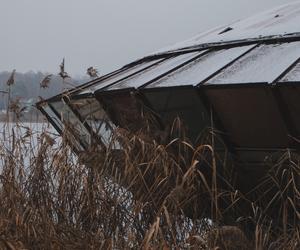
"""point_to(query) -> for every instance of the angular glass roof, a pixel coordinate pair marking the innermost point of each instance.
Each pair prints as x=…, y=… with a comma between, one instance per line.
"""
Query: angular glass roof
x=233, y=65
x=150, y=74
x=201, y=68
x=278, y=22
x=263, y=64
x=118, y=77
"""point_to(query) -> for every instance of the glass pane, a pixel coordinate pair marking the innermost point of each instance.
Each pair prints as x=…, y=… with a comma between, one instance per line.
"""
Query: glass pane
x=150, y=74
x=198, y=70
x=72, y=122
x=54, y=119
x=263, y=64
x=117, y=77
x=94, y=115
x=293, y=75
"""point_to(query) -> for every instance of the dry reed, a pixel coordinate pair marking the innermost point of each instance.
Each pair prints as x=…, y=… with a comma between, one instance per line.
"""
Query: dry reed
x=146, y=195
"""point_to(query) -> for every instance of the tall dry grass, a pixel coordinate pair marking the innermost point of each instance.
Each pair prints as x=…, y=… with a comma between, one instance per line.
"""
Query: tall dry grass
x=144, y=196
x=147, y=195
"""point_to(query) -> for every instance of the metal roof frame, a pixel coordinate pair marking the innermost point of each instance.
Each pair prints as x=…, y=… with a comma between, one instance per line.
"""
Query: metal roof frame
x=139, y=92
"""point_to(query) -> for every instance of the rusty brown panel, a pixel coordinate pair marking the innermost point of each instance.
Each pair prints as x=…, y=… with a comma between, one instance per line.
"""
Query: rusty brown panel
x=127, y=110
x=250, y=116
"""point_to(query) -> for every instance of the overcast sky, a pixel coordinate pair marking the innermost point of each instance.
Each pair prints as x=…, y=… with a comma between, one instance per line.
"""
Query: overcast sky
x=37, y=34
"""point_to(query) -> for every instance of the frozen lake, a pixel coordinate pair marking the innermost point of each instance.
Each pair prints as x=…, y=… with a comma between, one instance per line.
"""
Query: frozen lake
x=27, y=131
x=21, y=141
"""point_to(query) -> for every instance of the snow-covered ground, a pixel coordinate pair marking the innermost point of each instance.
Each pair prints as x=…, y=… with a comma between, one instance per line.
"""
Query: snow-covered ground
x=21, y=140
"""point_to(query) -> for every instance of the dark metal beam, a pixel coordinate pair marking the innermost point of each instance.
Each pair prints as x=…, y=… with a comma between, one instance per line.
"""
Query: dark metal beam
x=235, y=85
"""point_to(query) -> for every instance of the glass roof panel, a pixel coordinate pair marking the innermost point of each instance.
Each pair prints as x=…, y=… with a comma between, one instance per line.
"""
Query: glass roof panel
x=72, y=122
x=92, y=112
x=52, y=116
x=293, y=75
x=198, y=70
x=118, y=77
x=263, y=64
x=281, y=21
x=150, y=74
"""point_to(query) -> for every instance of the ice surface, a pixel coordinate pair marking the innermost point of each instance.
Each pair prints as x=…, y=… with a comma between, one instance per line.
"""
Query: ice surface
x=263, y=64
x=29, y=146
x=279, y=21
x=150, y=74
x=293, y=75
x=200, y=69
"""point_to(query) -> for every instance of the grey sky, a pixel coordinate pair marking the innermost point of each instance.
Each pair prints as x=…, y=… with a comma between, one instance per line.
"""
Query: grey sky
x=37, y=34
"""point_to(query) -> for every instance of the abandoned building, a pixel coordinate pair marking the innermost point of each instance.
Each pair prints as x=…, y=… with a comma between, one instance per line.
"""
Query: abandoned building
x=241, y=80
x=245, y=75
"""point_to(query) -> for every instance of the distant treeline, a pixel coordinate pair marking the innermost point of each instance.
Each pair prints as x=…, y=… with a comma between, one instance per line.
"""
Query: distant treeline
x=27, y=86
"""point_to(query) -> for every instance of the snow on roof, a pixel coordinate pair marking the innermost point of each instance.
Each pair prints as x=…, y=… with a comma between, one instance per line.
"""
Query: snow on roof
x=150, y=74
x=293, y=75
x=197, y=71
x=258, y=65
x=281, y=21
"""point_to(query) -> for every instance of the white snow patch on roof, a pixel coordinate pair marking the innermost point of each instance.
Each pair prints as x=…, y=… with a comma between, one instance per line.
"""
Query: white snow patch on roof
x=263, y=64
x=200, y=69
x=293, y=75
x=280, y=21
